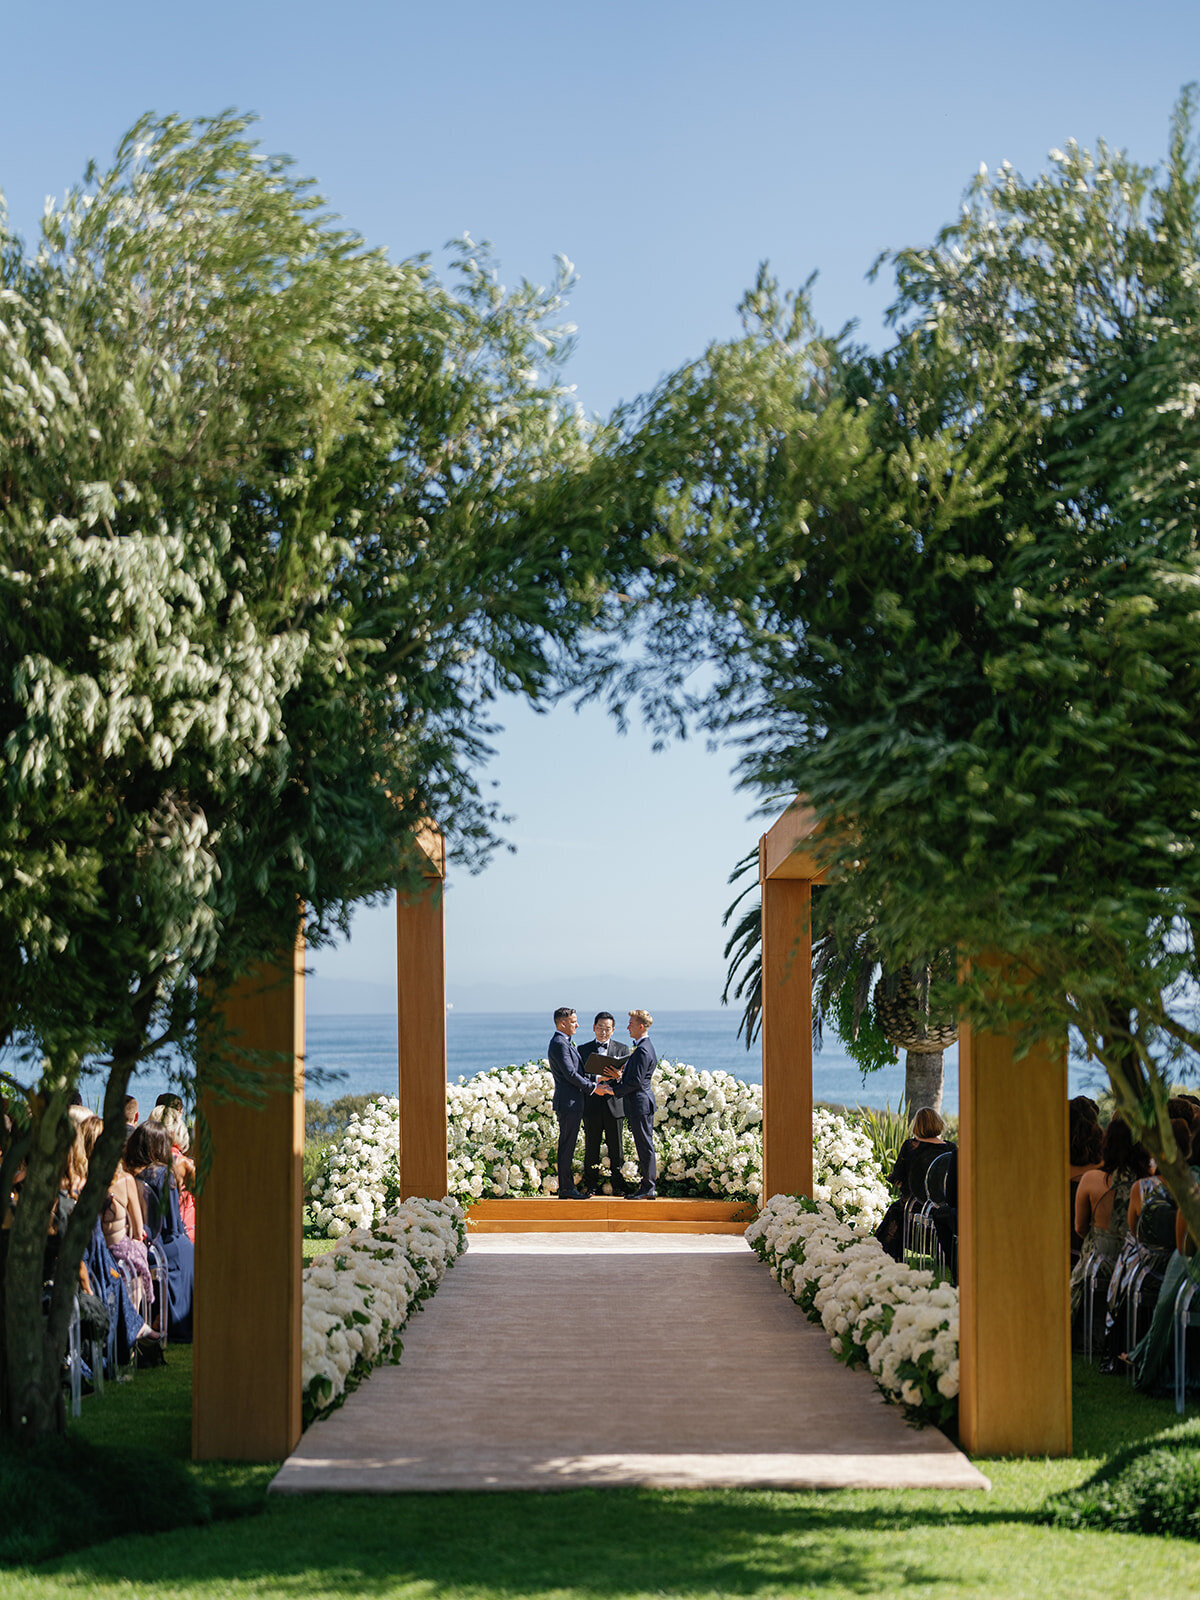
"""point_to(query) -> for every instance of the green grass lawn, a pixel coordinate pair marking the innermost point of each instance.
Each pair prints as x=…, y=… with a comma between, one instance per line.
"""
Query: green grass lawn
x=312, y=1245
x=617, y=1544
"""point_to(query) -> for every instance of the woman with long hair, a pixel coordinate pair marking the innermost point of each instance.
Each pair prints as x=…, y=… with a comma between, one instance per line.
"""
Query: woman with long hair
x=148, y=1157
x=1102, y=1218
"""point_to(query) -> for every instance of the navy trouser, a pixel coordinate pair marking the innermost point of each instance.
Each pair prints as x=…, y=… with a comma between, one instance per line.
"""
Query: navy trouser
x=568, y=1137
x=639, y=1119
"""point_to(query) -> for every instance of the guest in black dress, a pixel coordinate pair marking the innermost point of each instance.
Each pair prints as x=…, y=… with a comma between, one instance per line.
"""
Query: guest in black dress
x=917, y=1154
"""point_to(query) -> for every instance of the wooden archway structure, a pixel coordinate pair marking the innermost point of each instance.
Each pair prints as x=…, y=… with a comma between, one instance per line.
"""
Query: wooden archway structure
x=1014, y=1236
x=247, y=1326
x=1014, y=1338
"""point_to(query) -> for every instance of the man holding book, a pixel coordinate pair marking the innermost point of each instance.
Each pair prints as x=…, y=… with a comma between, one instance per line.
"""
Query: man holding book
x=602, y=1114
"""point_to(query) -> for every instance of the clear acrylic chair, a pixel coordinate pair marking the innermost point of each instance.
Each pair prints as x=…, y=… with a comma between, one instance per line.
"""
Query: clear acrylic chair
x=1186, y=1314
x=1098, y=1267
x=133, y=1288
x=1141, y=1290
x=75, y=1358
x=158, y=1314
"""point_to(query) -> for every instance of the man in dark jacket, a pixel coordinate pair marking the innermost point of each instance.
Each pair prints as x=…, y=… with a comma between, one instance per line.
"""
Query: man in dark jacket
x=572, y=1088
x=633, y=1087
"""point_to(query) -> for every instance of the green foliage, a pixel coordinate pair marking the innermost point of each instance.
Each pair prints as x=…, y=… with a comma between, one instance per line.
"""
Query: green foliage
x=1151, y=1488
x=272, y=540
x=947, y=593
x=325, y=1120
x=887, y=1130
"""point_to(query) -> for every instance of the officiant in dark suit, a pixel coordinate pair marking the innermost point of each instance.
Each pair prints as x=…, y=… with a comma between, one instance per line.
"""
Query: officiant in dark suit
x=599, y=1117
x=572, y=1090
x=633, y=1087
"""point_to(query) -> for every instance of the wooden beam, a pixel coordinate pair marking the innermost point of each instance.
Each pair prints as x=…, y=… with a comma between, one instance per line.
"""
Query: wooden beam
x=1014, y=1248
x=421, y=1030
x=791, y=848
x=786, y=1032
x=247, y=1330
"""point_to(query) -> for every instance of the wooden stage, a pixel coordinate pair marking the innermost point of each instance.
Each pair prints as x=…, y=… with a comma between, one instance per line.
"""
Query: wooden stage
x=607, y=1214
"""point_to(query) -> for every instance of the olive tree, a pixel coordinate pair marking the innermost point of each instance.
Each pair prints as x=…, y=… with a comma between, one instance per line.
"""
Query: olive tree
x=270, y=544
x=947, y=591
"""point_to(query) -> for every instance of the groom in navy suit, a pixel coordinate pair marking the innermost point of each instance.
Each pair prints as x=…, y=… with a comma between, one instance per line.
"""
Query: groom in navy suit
x=633, y=1086
x=572, y=1088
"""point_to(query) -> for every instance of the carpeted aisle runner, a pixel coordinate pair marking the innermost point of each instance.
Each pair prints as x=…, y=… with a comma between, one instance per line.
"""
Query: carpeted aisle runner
x=553, y=1361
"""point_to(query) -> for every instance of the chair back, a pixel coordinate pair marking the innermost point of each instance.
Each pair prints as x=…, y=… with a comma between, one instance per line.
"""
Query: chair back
x=937, y=1178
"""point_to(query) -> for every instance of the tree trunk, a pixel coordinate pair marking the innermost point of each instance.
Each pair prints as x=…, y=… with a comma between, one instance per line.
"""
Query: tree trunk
x=924, y=1075
x=33, y=1348
x=35, y=1342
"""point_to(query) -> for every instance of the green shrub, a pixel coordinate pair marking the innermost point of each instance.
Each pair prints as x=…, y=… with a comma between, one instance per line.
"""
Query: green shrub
x=1148, y=1489
x=887, y=1130
x=325, y=1121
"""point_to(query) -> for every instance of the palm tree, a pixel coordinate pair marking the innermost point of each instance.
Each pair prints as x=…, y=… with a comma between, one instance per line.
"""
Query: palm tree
x=874, y=1011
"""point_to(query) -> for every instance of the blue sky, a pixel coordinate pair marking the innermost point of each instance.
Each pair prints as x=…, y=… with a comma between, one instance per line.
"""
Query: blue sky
x=667, y=147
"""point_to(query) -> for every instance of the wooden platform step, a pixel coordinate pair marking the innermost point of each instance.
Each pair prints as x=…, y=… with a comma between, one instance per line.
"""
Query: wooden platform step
x=609, y=1215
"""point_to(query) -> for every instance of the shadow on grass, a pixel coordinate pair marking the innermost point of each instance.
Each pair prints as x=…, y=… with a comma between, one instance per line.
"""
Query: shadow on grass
x=606, y=1543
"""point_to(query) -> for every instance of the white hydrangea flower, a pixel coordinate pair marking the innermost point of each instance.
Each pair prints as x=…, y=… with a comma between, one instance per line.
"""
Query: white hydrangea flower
x=896, y=1318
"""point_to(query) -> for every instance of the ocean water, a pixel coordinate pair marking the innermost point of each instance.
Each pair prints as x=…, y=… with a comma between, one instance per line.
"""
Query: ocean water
x=357, y=1055
x=364, y=1049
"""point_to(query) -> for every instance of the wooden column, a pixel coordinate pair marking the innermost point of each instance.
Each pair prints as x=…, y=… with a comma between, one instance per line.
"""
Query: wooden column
x=1014, y=1248
x=246, y=1389
x=421, y=1028
x=786, y=1033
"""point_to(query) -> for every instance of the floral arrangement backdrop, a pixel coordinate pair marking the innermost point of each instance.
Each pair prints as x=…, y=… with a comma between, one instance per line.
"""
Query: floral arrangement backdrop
x=501, y=1136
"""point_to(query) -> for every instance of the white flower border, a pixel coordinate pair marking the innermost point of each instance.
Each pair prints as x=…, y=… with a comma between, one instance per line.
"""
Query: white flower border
x=359, y=1296
x=897, y=1319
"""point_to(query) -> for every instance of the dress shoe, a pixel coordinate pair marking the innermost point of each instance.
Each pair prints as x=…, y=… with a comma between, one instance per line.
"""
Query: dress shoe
x=574, y=1194
x=646, y=1192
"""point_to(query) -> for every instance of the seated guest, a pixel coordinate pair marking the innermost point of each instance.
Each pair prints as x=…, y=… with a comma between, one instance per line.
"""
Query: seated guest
x=184, y=1167
x=124, y=1231
x=1101, y=1217
x=132, y=1112
x=1184, y=1107
x=941, y=1184
x=1152, y=1208
x=907, y=1177
x=1083, y=1106
x=1150, y=1360
x=1138, y=1275
x=1084, y=1156
x=99, y=1273
x=148, y=1157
